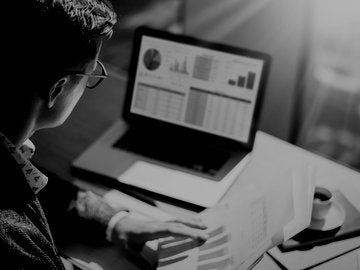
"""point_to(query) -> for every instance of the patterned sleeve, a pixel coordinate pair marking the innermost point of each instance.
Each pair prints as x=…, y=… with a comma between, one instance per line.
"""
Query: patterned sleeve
x=72, y=212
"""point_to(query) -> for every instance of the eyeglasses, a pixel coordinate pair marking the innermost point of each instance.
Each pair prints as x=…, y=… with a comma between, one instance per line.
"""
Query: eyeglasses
x=96, y=77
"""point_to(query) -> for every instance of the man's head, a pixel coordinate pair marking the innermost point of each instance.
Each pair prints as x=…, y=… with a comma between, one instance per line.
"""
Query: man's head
x=48, y=42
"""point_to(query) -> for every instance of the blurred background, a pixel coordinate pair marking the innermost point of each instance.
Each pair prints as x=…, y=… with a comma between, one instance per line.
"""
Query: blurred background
x=313, y=93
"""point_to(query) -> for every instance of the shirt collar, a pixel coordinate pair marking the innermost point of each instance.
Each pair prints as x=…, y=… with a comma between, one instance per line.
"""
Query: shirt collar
x=22, y=156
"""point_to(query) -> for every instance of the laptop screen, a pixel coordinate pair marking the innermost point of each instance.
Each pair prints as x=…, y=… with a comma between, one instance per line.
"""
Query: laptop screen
x=196, y=85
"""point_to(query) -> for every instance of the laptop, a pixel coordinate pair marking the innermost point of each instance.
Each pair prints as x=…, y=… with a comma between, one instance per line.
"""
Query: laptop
x=191, y=112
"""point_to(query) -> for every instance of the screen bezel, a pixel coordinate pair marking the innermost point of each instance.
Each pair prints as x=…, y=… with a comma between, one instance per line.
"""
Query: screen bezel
x=151, y=124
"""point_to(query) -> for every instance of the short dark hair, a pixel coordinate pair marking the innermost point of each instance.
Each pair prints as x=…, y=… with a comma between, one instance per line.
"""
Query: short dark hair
x=88, y=18
x=48, y=36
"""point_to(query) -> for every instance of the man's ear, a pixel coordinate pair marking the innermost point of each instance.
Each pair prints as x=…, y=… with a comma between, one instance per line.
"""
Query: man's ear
x=55, y=91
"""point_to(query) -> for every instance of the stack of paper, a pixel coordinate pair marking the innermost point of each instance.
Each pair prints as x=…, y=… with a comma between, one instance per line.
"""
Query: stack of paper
x=266, y=206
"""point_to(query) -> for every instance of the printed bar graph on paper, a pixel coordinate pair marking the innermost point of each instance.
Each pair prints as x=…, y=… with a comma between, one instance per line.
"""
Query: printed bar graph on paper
x=223, y=264
x=202, y=67
x=214, y=254
x=216, y=232
x=250, y=80
x=177, y=248
x=223, y=240
x=163, y=263
x=241, y=81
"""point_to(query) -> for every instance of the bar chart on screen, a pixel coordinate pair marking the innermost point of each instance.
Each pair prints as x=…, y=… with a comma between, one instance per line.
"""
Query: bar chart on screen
x=179, y=65
x=243, y=81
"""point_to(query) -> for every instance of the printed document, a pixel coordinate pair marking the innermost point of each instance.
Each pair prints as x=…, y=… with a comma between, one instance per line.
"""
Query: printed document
x=264, y=208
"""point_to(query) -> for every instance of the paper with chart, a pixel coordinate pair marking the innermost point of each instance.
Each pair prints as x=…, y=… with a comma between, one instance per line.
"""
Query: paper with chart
x=251, y=220
x=237, y=234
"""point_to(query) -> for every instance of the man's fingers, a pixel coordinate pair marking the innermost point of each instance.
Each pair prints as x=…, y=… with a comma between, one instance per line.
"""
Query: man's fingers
x=162, y=230
x=192, y=222
x=179, y=229
x=138, y=232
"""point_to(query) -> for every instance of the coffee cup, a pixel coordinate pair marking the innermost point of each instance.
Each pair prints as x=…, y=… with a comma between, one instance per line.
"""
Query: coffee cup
x=322, y=203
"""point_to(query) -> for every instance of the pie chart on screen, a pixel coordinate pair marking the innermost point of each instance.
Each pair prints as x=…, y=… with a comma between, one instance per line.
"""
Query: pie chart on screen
x=152, y=59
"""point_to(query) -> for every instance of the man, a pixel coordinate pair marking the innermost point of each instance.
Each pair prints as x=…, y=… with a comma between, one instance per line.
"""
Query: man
x=50, y=58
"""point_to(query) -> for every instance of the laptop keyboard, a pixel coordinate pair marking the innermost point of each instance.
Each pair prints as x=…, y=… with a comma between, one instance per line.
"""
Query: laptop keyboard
x=200, y=158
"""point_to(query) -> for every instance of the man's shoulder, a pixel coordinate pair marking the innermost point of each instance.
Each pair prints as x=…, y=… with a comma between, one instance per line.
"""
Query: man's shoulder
x=12, y=220
x=22, y=243
x=13, y=227
x=17, y=230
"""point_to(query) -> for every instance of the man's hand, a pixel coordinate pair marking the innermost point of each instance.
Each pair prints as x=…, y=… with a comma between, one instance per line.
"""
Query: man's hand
x=134, y=232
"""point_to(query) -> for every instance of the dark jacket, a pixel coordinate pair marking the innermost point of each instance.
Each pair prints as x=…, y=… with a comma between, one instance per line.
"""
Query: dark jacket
x=26, y=241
